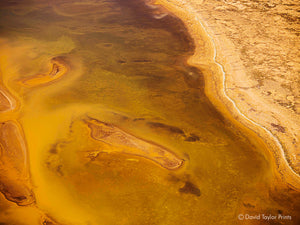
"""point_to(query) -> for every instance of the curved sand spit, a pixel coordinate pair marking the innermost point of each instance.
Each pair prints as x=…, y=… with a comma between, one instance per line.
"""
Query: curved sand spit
x=58, y=69
x=215, y=77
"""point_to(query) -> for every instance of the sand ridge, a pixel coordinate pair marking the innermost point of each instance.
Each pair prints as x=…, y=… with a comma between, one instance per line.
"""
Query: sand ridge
x=129, y=144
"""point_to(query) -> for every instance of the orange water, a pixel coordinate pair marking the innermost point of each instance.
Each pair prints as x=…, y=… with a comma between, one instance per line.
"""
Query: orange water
x=127, y=68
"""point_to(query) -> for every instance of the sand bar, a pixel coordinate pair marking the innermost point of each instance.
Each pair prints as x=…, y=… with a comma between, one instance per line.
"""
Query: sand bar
x=129, y=144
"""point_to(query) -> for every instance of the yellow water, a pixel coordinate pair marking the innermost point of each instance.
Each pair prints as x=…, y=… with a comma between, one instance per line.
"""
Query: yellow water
x=127, y=68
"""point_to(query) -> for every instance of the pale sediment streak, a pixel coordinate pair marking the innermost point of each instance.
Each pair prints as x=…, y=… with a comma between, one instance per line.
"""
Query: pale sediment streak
x=12, y=105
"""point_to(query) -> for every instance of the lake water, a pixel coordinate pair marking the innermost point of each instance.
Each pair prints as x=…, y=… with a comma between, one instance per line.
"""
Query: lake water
x=126, y=67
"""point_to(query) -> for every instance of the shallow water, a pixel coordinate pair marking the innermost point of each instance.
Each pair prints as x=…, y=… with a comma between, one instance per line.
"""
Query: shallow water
x=126, y=68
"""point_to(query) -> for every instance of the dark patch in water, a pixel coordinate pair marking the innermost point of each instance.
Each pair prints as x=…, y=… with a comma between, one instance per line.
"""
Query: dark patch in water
x=121, y=61
x=138, y=119
x=173, y=178
x=187, y=156
x=190, y=188
x=192, y=138
x=171, y=129
x=194, y=78
x=59, y=170
x=248, y=205
x=108, y=45
x=53, y=149
x=143, y=17
x=142, y=60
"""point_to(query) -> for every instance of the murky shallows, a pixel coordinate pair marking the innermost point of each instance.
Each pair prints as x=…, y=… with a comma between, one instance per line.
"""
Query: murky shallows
x=127, y=70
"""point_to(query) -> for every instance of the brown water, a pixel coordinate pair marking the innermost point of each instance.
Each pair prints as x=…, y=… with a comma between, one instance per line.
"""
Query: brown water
x=126, y=68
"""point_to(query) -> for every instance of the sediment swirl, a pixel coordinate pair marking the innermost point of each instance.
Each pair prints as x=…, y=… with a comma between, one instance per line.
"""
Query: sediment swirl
x=58, y=69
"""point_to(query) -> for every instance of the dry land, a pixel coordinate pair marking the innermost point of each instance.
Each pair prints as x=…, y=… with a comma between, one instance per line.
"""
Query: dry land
x=256, y=47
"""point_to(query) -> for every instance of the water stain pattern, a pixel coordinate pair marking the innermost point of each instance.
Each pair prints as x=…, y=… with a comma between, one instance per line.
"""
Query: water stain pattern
x=155, y=151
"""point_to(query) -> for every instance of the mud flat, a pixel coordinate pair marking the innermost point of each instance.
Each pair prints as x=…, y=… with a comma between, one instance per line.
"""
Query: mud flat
x=14, y=178
x=238, y=96
x=15, y=181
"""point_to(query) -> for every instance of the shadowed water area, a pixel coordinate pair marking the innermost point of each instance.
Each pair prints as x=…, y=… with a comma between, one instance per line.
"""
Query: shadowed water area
x=118, y=128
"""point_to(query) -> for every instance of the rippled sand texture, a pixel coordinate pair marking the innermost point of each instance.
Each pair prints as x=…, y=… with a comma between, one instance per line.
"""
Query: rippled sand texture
x=113, y=127
x=128, y=144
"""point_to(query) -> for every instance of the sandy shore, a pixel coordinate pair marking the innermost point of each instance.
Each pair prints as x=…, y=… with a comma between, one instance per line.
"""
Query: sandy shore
x=235, y=90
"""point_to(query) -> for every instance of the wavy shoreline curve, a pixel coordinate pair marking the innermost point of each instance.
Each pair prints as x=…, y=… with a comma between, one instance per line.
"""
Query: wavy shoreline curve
x=191, y=19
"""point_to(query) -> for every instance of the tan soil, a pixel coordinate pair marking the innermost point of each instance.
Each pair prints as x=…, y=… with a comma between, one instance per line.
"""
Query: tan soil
x=249, y=52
